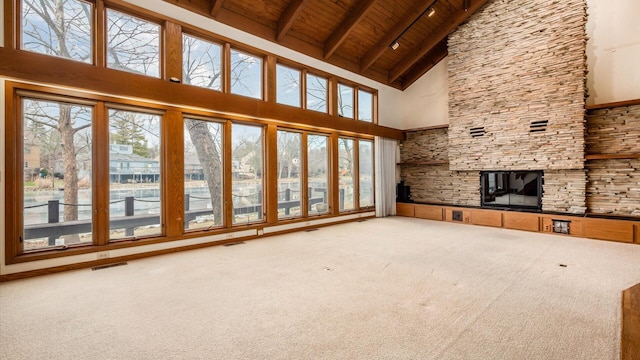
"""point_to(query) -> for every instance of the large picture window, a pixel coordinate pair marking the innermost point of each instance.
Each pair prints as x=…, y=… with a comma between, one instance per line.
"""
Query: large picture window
x=135, y=200
x=247, y=188
x=57, y=177
x=365, y=173
x=203, y=176
x=318, y=173
x=289, y=174
x=346, y=169
x=60, y=28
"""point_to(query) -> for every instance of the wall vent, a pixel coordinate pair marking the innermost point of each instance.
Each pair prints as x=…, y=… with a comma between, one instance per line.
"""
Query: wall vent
x=456, y=215
x=477, y=131
x=538, y=126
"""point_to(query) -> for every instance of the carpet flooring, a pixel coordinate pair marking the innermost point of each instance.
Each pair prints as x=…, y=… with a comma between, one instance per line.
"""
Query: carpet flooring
x=391, y=288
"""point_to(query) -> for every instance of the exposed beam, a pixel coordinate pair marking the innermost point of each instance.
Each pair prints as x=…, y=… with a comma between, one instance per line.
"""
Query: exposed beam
x=288, y=17
x=436, y=55
x=216, y=5
x=431, y=40
x=340, y=34
x=418, y=8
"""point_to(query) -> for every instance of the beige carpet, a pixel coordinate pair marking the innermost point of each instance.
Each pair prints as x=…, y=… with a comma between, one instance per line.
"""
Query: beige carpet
x=393, y=288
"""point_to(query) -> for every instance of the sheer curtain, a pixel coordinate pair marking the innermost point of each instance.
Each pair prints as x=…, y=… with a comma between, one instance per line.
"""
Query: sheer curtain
x=385, y=162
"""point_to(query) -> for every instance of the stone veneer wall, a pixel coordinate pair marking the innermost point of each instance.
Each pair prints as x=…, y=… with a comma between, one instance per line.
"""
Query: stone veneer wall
x=435, y=183
x=614, y=184
x=512, y=63
x=564, y=191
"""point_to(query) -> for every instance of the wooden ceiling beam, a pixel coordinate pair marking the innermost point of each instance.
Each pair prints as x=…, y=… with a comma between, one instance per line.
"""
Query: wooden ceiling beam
x=288, y=17
x=216, y=5
x=432, y=40
x=436, y=55
x=418, y=8
x=340, y=34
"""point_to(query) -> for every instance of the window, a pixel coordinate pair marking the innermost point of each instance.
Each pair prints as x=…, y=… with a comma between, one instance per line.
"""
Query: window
x=41, y=24
x=203, y=176
x=246, y=74
x=318, y=173
x=134, y=189
x=201, y=63
x=133, y=44
x=345, y=101
x=365, y=106
x=316, y=93
x=365, y=173
x=247, y=188
x=57, y=201
x=288, y=86
x=345, y=174
x=289, y=174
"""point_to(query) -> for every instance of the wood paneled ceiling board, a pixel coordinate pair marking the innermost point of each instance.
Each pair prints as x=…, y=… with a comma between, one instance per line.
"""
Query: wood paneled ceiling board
x=353, y=34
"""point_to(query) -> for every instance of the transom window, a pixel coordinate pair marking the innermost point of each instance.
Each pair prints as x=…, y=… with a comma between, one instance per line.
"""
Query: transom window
x=345, y=101
x=201, y=63
x=288, y=85
x=316, y=93
x=133, y=44
x=246, y=74
x=62, y=29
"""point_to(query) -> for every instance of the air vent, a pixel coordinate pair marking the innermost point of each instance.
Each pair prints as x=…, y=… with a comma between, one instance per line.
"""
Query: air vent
x=538, y=126
x=456, y=215
x=100, y=267
x=477, y=131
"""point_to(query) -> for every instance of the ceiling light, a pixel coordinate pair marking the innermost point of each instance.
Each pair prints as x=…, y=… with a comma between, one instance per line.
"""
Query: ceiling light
x=395, y=45
x=432, y=12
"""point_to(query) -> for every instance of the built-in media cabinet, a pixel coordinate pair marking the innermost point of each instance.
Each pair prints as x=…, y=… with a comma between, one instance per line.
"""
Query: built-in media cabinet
x=623, y=230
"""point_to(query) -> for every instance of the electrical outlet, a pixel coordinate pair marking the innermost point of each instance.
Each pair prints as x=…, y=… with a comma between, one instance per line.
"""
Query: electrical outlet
x=260, y=232
x=103, y=255
x=229, y=236
x=307, y=223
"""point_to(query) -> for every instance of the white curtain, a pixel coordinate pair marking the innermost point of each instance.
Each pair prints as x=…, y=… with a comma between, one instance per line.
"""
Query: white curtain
x=385, y=152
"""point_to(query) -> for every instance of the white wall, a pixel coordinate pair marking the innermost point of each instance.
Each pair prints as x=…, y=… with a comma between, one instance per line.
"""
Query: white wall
x=427, y=100
x=613, y=51
x=613, y=61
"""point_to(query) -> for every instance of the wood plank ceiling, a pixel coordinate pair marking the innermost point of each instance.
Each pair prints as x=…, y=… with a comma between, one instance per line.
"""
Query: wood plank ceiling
x=353, y=34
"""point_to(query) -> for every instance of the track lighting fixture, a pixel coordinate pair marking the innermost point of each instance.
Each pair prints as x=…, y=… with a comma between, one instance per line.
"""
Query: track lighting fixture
x=430, y=11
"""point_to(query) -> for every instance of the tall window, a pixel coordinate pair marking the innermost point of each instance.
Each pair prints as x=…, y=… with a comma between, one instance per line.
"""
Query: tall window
x=247, y=187
x=246, y=74
x=345, y=174
x=134, y=174
x=201, y=63
x=316, y=93
x=56, y=187
x=345, y=101
x=60, y=28
x=365, y=173
x=288, y=85
x=365, y=106
x=203, y=185
x=133, y=44
x=318, y=173
x=289, y=174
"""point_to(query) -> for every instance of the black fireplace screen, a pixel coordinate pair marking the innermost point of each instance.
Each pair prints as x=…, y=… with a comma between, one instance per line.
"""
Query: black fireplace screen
x=511, y=189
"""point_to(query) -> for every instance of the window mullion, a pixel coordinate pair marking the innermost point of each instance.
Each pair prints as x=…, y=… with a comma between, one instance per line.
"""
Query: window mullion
x=101, y=175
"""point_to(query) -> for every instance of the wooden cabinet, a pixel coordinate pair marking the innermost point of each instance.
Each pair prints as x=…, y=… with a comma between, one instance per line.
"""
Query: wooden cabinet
x=405, y=209
x=430, y=212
